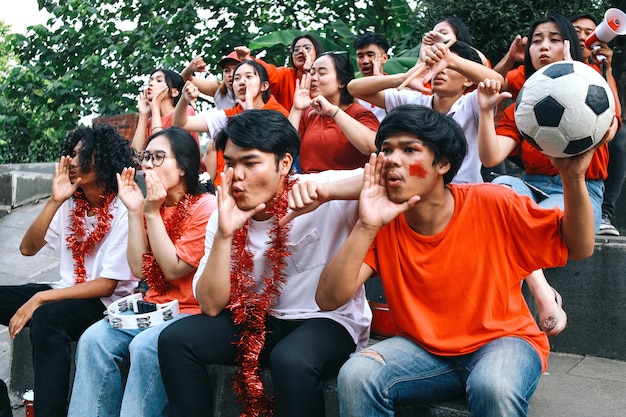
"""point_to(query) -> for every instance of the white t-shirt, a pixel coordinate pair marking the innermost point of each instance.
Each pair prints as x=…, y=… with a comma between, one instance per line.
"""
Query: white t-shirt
x=109, y=258
x=215, y=121
x=314, y=238
x=464, y=111
x=224, y=101
x=379, y=112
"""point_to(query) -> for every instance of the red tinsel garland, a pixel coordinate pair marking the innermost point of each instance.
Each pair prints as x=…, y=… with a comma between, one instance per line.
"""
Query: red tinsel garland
x=149, y=266
x=76, y=241
x=250, y=305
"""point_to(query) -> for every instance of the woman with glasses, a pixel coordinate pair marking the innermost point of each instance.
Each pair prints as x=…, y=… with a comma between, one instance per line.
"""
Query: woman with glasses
x=303, y=51
x=166, y=232
x=252, y=90
x=336, y=132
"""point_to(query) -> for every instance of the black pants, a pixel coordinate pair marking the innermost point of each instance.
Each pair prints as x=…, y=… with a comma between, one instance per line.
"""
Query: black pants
x=52, y=328
x=300, y=355
x=616, y=172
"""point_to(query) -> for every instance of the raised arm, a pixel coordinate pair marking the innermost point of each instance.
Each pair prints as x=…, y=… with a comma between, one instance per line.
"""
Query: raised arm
x=345, y=272
x=162, y=246
x=514, y=55
x=62, y=189
x=181, y=118
x=371, y=89
x=308, y=194
x=438, y=57
x=301, y=100
x=143, y=107
x=132, y=197
x=205, y=85
x=213, y=285
x=492, y=148
x=359, y=135
x=577, y=227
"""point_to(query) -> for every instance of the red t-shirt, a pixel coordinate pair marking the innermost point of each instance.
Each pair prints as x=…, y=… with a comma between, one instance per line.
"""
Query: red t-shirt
x=458, y=290
x=324, y=146
x=189, y=248
x=537, y=163
x=516, y=78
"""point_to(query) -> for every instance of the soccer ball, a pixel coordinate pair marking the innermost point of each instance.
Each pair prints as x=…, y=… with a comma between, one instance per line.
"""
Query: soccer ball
x=564, y=109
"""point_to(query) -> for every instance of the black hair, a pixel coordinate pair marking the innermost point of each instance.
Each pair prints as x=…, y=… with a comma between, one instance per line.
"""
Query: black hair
x=345, y=73
x=439, y=132
x=579, y=16
x=265, y=130
x=261, y=72
x=187, y=154
x=109, y=151
x=368, y=38
x=173, y=80
x=461, y=31
x=319, y=49
x=466, y=51
x=568, y=32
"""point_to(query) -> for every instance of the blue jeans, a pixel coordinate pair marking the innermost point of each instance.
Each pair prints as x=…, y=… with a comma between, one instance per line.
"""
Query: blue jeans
x=497, y=380
x=553, y=187
x=98, y=388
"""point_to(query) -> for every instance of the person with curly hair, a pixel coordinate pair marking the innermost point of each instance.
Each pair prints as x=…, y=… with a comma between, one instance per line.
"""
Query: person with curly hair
x=87, y=223
x=165, y=245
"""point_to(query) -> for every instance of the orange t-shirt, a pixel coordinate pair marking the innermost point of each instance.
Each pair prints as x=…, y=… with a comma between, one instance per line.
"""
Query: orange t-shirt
x=282, y=82
x=272, y=104
x=537, y=163
x=189, y=248
x=458, y=290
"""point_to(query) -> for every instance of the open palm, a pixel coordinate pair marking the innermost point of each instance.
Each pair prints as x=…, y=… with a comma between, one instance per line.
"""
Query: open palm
x=375, y=207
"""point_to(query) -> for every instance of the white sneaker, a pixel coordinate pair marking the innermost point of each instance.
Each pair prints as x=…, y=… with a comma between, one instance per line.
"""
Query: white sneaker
x=607, y=228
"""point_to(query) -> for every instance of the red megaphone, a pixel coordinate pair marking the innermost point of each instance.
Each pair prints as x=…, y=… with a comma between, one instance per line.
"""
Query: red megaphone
x=614, y=24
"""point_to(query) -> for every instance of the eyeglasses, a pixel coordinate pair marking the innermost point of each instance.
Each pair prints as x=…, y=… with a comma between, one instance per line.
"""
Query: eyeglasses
x=297, y=49
x=156, y=157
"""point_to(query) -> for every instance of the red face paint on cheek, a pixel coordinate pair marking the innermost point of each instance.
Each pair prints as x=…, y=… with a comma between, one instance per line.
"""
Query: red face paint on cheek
x=417, y=170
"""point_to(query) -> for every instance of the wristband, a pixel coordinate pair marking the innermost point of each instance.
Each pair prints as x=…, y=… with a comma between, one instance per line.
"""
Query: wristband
x=336, y=111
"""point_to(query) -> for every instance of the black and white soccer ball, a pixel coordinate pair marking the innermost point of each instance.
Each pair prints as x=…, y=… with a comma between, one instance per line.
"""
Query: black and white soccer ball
x=564, y=109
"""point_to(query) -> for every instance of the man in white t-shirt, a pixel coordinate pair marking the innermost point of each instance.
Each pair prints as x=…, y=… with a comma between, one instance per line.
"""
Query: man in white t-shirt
x=86, y=222
x=371, y=55
x=257, y=280
x=458, y=70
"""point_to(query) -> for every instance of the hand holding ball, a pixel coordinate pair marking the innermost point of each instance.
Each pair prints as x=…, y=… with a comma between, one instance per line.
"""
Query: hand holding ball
x=564, y=109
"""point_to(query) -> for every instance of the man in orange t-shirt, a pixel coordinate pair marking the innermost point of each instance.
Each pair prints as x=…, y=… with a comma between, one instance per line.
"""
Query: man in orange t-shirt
x=451, y=259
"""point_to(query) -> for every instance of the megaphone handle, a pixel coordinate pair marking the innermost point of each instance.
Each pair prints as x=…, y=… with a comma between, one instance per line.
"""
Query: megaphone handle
x=595, y=47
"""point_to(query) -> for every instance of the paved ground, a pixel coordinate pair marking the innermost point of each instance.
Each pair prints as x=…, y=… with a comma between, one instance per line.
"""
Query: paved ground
x=575, y=386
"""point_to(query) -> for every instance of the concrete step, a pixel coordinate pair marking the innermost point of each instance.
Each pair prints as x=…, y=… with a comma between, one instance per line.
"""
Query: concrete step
x=24, y=183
